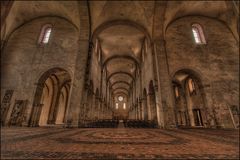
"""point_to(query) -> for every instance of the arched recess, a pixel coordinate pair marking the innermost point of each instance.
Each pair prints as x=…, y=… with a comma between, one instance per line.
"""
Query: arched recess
x=181, y=111
x=47, y=97
x=145, y=105
x=190, y=101
x=152, y=101
x=62, y=104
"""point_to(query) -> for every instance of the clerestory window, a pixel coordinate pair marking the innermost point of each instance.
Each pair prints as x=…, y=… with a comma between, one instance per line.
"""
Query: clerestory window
x=45, y=34
x=198, y=34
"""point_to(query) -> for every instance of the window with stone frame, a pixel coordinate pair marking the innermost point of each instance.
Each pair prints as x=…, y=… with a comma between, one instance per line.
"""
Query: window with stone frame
x=198, y=34
x=45, y=34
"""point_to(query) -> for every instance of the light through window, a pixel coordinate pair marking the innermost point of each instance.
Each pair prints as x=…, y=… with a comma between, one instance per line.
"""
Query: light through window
x=124, y=105
x=120, y=98
x=191, y=85
x=47, y=35
x=198, y=34
x=116, y=105
x=176, y=92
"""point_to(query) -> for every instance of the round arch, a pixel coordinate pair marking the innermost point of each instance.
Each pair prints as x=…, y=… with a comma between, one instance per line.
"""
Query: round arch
x=120, y=72
x=121, y=56
x=117, y=82
x=120, y=22
x=120, y=89
x=120, y=92
x=35, y=115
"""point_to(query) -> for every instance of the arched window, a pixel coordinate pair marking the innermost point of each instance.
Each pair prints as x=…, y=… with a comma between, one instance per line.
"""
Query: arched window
x=116, y=105
x=45, y=34
x=198, y=34
x=191, y=85
x=124, y=105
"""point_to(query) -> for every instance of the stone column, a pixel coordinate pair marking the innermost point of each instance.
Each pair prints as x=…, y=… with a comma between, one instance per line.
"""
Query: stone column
x=140, y=109
x=164, y=85
x=149, y=109
x=76, y=101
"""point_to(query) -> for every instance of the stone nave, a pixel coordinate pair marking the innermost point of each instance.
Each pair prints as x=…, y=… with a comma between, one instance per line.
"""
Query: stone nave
x=120, y=79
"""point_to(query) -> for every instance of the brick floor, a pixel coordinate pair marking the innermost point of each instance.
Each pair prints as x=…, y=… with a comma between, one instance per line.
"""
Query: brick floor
x=105, y=143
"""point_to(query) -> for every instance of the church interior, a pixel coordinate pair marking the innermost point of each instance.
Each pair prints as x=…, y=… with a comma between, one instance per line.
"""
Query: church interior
x=120, y=79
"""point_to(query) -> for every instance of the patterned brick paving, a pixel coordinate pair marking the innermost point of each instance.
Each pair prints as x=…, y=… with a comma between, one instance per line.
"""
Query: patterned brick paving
x=119, y=143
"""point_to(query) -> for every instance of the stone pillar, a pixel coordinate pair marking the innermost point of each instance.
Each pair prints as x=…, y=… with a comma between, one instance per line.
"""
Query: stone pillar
x=190, y=109
x=76, y=101
x=144, y=111
x=159, y=110
x=96, y=108
x=164, y=85
x=92, y=110
x=149, y=109
x=76, y=98
x=140, y=109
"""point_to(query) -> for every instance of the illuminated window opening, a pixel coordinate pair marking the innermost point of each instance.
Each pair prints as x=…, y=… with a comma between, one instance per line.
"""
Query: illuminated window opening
x=45, y=34
x=176, y=92
x=191, y=85
x=124, y=105
x=198, y=34
x=120, y=98
x=116, y=105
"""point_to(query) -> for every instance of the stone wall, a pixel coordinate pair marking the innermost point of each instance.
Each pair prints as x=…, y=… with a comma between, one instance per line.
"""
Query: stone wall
x=24, y=61
x=217, y=62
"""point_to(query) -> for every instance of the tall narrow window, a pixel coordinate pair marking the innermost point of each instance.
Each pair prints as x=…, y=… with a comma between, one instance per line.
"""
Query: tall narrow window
x=198, y=34
x=116, y=105
x=45, y=34
x=191, y=85
x=176, y=92
x=124, y=105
